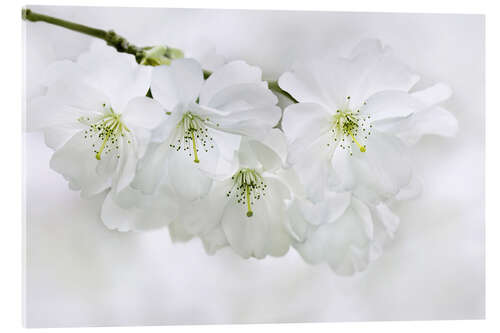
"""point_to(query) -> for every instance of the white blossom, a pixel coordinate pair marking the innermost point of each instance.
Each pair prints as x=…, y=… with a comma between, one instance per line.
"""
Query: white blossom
x=97, y=119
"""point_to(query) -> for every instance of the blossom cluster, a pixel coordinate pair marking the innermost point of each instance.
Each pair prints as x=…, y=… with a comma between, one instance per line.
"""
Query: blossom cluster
x=214, y=157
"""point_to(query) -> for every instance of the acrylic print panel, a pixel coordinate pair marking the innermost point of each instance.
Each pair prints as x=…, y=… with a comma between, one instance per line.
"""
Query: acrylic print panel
x=252, y=166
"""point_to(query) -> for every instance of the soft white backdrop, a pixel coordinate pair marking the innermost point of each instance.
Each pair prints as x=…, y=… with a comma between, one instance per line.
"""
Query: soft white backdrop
x=79, y=273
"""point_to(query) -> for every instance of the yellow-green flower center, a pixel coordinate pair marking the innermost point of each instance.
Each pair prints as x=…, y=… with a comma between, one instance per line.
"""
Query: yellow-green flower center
x=193, y=135
x=105, y=131
x=248, y=185
x=350, y=127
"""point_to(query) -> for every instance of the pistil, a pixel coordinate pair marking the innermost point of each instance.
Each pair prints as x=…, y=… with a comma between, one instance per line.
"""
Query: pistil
x=195, y=151
x=249, y=207
x=350, y=126
x=107, y=127
x=248, y=186
x=193, y=135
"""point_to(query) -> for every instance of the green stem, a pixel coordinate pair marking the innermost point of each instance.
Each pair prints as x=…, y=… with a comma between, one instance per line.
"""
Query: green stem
x=110, y=37
x=119, y=42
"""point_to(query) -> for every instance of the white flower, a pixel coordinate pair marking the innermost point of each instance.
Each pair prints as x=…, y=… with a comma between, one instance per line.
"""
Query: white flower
x=246, y=211
x=205, y=52
x=132, y=210
x=205, y=125
x=96, y=118
x=341, y=230
x=345, y=133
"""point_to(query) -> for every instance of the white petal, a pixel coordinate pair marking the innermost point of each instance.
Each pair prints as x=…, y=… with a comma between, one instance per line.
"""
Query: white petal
x=233, y=73
x=77, y=94
x=164, y=130
x=57, y=136
x=390, y=104
x=305, y=122
x=343, y=244
x=126, y=165
x=109, y=161
x=214, y=240
x=152, y=169
x=254, y=122
x=276, y=140
x=265, y=156
x=248, y=236
x=308, y=83
x=178, y=83
x=116, y=74
x=64, y=70
x=243, y=96
x=205, y=52
x=364, y=215
x=384, y=167
x=76, y=162
x=328, y=210
x=149, y=212
x=228, y=143
x=143, y=112
x=410, y=191
x=388, y=218
x=297, y=223
x=48, y=112
x=379, y=71
x=188, y=181
x=433, y=121
x=433, y=95
x=313, y=166
x=342, y=174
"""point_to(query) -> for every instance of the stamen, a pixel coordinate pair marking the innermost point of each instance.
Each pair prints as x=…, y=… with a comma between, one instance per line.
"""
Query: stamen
x=361, y=148
x=193, y=135
x=349, y=126
x=107, y=128
x=248, y=185
x=98, y=155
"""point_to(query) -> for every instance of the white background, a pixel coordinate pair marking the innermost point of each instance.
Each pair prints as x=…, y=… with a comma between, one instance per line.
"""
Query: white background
x=380, y=289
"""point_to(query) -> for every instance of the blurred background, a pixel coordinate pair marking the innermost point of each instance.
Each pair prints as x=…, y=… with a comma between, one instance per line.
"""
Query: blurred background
x=81, y=274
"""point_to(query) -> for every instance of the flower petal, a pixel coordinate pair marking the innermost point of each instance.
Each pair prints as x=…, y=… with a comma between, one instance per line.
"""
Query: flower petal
x=433, y=121
x=152, y=168
x=410, y=191
x=343, y=244
x=147, y=213
x=313, y=166
x=305, y=122
x=126, y=165
x=143, y=112
x=388, y=218
x=241, y=97
x=433, y=95
x=186, y=178
x=248, y=236
x=77, y=163
x=307, y=83
x=328, y=210
x=47, y=111
x=390, y=104
x=179, y=83
x=384, y=167
x=214, y=240
x=233, y=73
x=116, y=74
x=364, y=215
